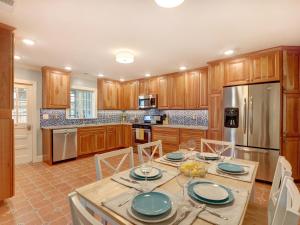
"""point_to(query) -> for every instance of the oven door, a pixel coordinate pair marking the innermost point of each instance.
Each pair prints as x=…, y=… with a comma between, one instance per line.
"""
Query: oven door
x=137, y=139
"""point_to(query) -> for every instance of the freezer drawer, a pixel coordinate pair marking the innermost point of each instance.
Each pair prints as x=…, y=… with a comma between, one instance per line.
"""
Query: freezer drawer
x=266, y=158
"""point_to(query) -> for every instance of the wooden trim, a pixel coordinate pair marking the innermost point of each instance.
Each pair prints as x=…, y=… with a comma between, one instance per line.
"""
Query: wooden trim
x=46, y=68
x=7, y=27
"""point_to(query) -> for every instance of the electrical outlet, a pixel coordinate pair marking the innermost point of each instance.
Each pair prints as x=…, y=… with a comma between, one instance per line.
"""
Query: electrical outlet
x=45, y=116
x=194, y=117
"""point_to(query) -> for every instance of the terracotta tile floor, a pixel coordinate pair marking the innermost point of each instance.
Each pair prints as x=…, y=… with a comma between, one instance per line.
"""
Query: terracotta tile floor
x=41, y=193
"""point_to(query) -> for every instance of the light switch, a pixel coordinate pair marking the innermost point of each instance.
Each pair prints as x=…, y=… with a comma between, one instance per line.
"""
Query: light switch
x=45, y=116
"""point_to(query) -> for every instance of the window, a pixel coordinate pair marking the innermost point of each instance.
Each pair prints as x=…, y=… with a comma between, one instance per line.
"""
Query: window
x=82, y=104
x=20, y=113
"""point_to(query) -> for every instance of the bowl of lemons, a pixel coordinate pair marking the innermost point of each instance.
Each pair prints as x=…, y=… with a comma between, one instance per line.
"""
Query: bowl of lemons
x=194, y=169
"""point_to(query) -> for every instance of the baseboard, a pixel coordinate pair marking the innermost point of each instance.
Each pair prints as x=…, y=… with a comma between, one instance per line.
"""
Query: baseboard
x=39, y=158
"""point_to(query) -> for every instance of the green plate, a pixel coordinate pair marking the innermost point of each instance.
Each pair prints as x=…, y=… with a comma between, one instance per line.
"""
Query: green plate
x=175, y=156
x=136, y=177
x=195, y=197
x=230, y=167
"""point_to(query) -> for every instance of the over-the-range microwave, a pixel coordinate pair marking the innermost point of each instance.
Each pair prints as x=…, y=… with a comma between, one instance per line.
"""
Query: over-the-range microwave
x=147, y=101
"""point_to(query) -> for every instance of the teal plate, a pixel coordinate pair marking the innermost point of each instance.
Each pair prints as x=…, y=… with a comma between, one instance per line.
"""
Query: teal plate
x=175, y=156
x=193, y=195
x=230, y=167
x=158, y=171
x=136, y=177
x=151, y=204
x=198, y=155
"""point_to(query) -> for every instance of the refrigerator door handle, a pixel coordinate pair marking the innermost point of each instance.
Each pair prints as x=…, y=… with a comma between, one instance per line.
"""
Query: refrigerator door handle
x=251, y=118
x=245, y=113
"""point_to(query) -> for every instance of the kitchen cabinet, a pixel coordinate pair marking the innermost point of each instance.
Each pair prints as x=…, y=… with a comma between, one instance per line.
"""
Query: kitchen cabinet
x=91, y=140
x=265, y=66
x=148, y=86
x=163, y=92
x=236, y=71
x=215, y=78
x=196, y=89
x=119, y=136
x=291, y=151
x=177, y=91
x=108, y=94
x=215, y=116
x=127, y=133
x=130, y=95
x=153, y=86
x=110, y=137
x=56, y=88
x=6, y=106
x=143, y=87
x=168, y=136
x=192, y=134
x=291, y=71
x=291, y=115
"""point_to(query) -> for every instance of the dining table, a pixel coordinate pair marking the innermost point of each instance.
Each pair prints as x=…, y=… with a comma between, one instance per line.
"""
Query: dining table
x=94, y=194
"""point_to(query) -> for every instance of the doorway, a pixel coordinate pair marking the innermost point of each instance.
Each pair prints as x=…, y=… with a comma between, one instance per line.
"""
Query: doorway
x=23, y=122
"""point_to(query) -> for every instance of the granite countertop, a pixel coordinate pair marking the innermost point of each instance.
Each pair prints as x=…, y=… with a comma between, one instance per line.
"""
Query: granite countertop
x=83, y=125
x=184, y=126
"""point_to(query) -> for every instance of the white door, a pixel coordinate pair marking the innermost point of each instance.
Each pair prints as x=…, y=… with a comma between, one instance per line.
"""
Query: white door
x=22, y=115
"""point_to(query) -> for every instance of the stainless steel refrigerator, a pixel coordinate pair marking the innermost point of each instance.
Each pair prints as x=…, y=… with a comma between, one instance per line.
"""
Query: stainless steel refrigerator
x=252, y=122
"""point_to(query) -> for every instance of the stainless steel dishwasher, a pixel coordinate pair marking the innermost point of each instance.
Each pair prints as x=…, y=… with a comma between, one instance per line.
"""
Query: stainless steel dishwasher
x=64, y=144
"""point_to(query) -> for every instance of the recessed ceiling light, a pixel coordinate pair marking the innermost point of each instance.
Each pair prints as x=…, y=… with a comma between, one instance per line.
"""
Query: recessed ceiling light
x=229, y=52
x=121, y=79
x=100, y=75
x=69, y=68
x=169, y=3
x=182, y=68
x=28, y=42
x=124, y=57
x=147, y=75
x=17, y=57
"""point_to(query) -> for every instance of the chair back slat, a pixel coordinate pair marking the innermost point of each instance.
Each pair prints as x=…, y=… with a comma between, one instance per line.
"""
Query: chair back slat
x=126, y=152
x=224, y=144
x=283, y=169
x=80, y=216
x=288, y=204
x=142, y=150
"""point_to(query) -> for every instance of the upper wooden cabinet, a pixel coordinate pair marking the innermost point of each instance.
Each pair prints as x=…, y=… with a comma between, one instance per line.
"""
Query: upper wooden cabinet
x=148, y=86
x=291, y=71
x=163, y=92
x=109, y=93
x=177, y=91
x=215, y=77
x=236, y=72
x=265, y=66
x=56, y=88
x=130, y=94
x=196, y=89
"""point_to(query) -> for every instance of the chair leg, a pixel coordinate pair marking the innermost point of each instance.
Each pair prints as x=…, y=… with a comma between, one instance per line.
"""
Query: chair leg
x=104, y=222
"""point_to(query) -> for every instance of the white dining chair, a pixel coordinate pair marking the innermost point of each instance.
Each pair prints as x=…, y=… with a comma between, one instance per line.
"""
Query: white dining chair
x=283, y=169
x=149, y=150
x=287, y=211
x=102, y=158
x=80, y=215
x=211, y=145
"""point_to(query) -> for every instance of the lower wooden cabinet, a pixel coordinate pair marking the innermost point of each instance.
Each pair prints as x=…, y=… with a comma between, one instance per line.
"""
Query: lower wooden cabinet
x=291, y=151
x=192, y=134
x=127, y=135
x=110, y=137
x=119, y=136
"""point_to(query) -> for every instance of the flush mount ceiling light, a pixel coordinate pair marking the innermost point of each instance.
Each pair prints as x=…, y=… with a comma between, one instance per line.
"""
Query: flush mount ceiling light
x=182, y=68
x=169, y=3
x=147, y=75
x=16, y=57
x=69, y=68
x=121, y=79
x=100, y=75
x=124, y=57
x=229, y=52
x=28, y=42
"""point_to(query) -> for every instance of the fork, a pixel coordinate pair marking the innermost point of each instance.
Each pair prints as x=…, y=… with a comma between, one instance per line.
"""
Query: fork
x=130, y=181
x=203, y=206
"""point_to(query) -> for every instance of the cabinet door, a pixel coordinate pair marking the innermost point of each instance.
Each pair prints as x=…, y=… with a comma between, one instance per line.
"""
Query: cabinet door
x=215, y=78
x=119, y=136
x=153, y=86
x=100, y=138
x=144, y=87
x=126, y=96
x=110, y=137
x=215, y=116
x=166, y=135
x=265, y=66
x=192, y=134
x=192, y=90
x=291, y=151
x=236, y=72
x=203, y=99
x=86, y=142
x=177, y=85
x=291, y=71
x=291, y=115
x=133, y=94
x=119, y=95
x=127, y=132
x=56, y=88
x=163, y=92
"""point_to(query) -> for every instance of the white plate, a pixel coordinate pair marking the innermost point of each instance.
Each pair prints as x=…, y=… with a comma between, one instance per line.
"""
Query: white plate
x=156, y=219
x=209, y=155
x=210, y=191
x=154, y=172
x=246, y=171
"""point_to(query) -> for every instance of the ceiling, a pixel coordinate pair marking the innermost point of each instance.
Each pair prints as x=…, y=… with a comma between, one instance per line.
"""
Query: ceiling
x=86, y=34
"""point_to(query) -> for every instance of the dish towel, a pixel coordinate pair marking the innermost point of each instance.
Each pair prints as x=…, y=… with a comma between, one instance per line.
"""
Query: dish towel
x=166, y=176
x=139, y=134
x=113, y=204
x=212, y=169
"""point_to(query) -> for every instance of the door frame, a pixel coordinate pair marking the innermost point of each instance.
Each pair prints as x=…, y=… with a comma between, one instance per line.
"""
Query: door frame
x=35, y=157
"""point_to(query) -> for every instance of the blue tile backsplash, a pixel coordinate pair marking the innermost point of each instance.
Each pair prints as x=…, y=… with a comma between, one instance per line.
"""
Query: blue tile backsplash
x=57, y=117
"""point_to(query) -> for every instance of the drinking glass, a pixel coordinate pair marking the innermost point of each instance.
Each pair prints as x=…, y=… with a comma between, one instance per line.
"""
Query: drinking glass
x=191, y=145
x=146, y=169
x=182, y=181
